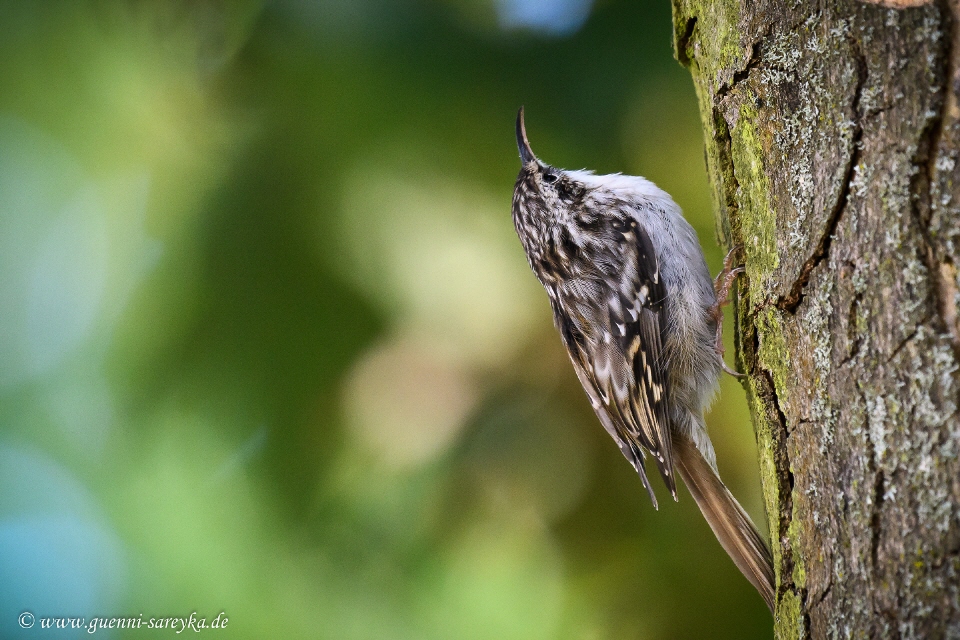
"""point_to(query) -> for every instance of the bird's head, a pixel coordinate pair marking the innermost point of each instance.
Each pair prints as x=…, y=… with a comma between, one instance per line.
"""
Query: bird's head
x=543, y=195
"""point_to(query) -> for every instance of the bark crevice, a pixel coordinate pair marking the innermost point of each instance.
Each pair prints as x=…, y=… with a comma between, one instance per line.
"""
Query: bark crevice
x=941, y=267
x=754, y=60
x=683, y=41
x=879, y=487
x=790, y=302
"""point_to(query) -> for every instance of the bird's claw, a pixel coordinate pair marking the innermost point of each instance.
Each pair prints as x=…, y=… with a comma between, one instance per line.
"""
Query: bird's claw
x=722, y=286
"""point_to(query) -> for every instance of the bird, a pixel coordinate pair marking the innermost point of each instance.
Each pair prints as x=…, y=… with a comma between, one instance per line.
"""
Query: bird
x=640, y=317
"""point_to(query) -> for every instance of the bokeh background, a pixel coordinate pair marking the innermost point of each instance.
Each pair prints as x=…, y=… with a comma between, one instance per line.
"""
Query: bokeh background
x=269, y=345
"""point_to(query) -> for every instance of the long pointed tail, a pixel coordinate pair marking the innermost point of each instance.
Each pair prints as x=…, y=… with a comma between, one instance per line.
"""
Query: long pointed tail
x=730, y=523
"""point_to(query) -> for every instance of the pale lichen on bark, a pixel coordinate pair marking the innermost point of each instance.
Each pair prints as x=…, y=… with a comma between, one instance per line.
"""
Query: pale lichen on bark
x=833, y=138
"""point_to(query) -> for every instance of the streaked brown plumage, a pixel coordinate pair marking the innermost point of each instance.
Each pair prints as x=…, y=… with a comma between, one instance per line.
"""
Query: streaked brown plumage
x=636, y=308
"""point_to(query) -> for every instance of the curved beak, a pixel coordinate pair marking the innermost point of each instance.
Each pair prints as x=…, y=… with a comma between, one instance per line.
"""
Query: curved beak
x=526, y=153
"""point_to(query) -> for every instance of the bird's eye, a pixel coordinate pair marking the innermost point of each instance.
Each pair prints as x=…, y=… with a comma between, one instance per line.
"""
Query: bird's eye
x=550, y=177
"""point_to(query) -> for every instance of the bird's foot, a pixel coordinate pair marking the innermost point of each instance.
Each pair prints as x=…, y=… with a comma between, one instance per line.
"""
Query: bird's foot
x=722, y=285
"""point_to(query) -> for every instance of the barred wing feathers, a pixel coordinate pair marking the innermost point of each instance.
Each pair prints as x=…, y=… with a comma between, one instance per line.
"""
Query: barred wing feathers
x=618, y=352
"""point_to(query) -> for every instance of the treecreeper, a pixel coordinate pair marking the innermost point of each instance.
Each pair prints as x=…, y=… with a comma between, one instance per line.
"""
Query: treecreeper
x=640, y=317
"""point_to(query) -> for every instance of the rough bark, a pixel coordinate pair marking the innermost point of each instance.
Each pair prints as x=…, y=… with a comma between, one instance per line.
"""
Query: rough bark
x=832, y=139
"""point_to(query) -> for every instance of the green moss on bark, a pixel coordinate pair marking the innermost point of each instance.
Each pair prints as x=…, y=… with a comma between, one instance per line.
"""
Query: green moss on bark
x=757, y=219
x=788, y=624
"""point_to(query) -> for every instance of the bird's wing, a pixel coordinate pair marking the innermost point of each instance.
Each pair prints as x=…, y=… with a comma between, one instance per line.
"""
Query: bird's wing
x=620, y=360
x=633, y=453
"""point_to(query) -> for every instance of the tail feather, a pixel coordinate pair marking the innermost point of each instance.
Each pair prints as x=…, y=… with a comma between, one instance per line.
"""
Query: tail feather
x=730, y=523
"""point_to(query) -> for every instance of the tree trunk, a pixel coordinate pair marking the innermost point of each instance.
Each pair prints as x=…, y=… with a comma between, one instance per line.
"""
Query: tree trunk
x=832, y=139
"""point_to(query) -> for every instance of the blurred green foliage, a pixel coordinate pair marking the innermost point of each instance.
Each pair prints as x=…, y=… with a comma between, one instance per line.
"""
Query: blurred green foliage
x=269, y=346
